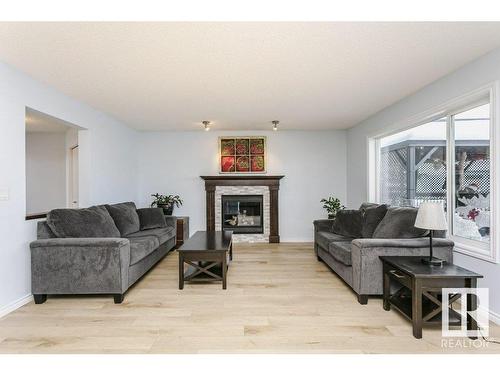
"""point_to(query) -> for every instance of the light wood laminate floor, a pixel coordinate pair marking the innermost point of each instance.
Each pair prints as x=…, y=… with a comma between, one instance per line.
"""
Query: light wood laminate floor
x=280, y=299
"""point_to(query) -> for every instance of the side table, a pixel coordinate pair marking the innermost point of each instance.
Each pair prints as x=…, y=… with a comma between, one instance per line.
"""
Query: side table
x=419, y=290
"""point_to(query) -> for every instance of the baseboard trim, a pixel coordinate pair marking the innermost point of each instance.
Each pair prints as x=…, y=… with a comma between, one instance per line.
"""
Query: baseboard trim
x=495, y=317
x=15, y=305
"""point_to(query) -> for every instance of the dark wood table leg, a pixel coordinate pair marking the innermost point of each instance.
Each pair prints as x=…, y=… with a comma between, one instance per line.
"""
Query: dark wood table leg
x=387, y=289
x=181, y=271
x=416, y=314
x=471, y=306
x=224, y=270
x=231, y=252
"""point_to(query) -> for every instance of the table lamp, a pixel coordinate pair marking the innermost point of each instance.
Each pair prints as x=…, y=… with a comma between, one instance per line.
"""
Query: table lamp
x=431, y=216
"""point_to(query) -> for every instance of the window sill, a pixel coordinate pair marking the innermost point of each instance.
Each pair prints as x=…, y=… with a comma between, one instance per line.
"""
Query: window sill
x=476, y=252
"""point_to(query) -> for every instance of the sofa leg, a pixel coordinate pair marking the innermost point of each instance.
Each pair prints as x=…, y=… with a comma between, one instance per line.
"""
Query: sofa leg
x=118, y=298
x=39, y=298
x=318, y=258
x=363, y=299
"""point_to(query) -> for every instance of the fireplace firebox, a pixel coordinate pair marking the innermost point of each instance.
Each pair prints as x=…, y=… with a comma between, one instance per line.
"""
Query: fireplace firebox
x=243, y=213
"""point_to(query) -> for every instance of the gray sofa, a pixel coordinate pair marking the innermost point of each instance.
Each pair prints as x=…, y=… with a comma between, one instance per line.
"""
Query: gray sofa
x=98, y=250
x=355, y=258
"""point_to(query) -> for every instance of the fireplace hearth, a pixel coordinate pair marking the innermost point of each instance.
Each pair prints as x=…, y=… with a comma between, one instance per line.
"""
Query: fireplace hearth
x=242, y=213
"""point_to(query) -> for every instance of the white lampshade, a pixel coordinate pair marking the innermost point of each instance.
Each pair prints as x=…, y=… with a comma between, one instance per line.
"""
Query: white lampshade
x=431, y=216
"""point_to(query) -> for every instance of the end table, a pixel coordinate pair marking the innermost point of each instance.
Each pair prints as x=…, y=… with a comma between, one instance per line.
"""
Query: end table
x=419, y=288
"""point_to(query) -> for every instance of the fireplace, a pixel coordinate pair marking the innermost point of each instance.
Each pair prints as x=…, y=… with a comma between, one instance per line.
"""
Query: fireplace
x=264, y=187
x=242, y=213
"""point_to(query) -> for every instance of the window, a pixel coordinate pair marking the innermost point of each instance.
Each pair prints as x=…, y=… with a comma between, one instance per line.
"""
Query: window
x=413, y=165
x=471, y=188
x=447, y=158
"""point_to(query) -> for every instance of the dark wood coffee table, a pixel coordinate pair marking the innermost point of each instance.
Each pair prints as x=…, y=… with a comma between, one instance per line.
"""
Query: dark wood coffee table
x=419, y=287
x=206, y=254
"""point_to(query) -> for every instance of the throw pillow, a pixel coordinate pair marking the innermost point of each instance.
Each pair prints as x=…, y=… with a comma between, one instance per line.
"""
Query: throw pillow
x=365, y=205
x=94, y=221
x=125, y=217
x=372, y=216
x=348, y=223
x=151, y=218
x=399, y=222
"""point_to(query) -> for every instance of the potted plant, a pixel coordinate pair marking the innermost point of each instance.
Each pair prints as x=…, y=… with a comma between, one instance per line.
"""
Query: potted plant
x=166, y=202
x=332, y=205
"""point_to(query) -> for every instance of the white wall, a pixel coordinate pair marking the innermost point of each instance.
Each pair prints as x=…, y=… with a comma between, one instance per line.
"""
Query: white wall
x=313, y=163
x=45, y=171
x=107, y=169
x=468, y=78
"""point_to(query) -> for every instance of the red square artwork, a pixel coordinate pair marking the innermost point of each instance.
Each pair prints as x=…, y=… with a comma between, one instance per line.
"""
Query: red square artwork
x=227, y=164
x=257, y=163
x=242, y=154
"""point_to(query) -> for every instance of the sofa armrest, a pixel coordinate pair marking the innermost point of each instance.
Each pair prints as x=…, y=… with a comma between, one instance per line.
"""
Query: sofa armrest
x=80, y=265
x=171, y=221
x=80, y=242
x=323, y=225
x=367, y=266
x=363, y=243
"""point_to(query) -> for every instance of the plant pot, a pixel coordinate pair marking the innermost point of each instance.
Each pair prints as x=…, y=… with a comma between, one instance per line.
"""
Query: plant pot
x=330, y=216
x=167, y=210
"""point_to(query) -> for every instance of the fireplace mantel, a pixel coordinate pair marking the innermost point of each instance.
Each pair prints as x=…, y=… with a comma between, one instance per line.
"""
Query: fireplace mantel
x=273, y=182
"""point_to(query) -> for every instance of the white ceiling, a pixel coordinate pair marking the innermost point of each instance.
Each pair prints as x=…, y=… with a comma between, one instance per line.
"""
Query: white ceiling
x=39, y=122
x=172, y=76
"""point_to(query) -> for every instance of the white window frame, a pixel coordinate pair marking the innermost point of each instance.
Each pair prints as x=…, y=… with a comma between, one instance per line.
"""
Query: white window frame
x=488, y=252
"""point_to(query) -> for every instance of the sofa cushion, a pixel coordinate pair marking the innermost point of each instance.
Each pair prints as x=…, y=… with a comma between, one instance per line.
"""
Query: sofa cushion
x=150, y=218
x=399, y=222
x=94, y=221
x=325, y=238
x=162, y=234
x=141, y=247
x=348, y=223
x=125, y=217
x=341, y=252
x=372, y=216
x=366, y=205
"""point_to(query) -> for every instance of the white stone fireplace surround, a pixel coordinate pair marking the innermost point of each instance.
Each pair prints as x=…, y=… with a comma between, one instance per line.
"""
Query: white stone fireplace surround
x=244, y=190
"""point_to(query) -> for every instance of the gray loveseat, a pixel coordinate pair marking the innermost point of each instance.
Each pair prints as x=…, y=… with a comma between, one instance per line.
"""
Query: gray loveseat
x=352, y=243
x=98, y=250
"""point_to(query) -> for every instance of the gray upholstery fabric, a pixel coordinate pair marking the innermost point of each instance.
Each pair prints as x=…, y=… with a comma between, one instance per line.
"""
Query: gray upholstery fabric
x=141, y=247
x=97, y=265
x=399, y=222
x=79, y=265
x=94, y=221
x=324, y=225
x=345, y=272
x=357, y=262
x=367, y=267
x=125, y=217
x=401, y=242
x=348, y=223
x=151, y=218
x=366, y=205
x=162, y=234
x=341, y=252
x=137, y=270
x=43, y=230
x=324, y=239
x=372, y=216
